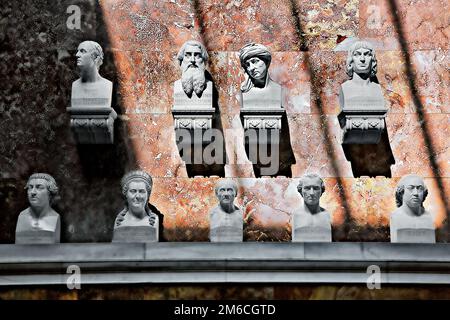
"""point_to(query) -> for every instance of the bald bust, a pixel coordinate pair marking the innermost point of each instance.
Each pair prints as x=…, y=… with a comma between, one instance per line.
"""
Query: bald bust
x=411, y=222
x=91, y=89
x=226, y=219
x=311, y=222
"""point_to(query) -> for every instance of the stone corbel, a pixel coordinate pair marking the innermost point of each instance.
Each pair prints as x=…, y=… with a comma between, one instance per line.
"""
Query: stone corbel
x=193, y=119
x=362, y=127
x=262, y=119
x=93, y=125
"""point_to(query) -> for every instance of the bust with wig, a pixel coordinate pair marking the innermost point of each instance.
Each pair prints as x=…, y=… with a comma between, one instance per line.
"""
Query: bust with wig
x=39, y=223
x=411, y=222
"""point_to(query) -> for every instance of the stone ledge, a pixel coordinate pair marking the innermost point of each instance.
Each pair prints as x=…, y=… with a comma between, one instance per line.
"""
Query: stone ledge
x=188, y=262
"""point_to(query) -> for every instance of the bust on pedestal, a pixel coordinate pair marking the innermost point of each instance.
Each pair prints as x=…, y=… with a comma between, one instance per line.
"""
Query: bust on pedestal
x=361, y=100
x=136, y=222
x=92, y=118
x=263, y=114
x=411, y=223
x=226, y=219
x=261, y=97
x=311, y=223
x=195, y=113
x=39, y=223
x=193, y=93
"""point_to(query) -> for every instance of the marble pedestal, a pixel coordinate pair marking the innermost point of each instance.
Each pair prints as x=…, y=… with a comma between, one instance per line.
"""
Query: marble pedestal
x=362, y=127
x=48, y=231
x=417, y=235
x=307, y=227
x=405, y=228
x=363, y=114
x=226, y=227
x=91, y=115
x=94, y=125
x=193, y=112
x=135, y=234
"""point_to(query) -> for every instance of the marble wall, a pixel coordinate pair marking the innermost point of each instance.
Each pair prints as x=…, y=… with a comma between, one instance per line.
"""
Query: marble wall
x=141, y=40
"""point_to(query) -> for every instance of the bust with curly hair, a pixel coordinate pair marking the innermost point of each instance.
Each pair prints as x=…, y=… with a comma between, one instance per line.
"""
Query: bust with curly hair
x=411, y=222
x=361, y=91
x=39, y=223
x=136, y=222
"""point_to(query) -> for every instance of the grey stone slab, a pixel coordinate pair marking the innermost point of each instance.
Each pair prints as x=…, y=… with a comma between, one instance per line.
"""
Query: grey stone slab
x=438, y=252
x=71, y=252
x=334, y=251
x=224, y=251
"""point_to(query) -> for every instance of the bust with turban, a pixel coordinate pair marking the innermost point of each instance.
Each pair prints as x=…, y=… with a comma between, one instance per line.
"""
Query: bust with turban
x=258, y=89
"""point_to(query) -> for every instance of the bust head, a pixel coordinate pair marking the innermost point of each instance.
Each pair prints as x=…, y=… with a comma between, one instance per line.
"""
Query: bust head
x=226, y=191
x=411, y=191
x=41, y=190
x=192, y=58
x=136, y=190
x=89, y=55
x=311, y=187
x=361, y=59
x=255, y=59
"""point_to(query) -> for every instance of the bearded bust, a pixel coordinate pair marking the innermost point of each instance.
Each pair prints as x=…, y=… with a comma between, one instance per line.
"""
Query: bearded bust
x=192, y=58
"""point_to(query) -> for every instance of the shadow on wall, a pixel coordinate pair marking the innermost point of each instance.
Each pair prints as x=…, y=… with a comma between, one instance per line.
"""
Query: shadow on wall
x=88, y=176
x=411, y=75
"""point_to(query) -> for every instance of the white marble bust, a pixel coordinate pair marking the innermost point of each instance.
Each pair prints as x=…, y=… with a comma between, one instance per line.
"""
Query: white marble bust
x=258, y=90
x=194, y=82
x=311, y=222
x=410, y=222
x=226, y=219
x=91, y=89
x=136, y=222
x=361, y=92
x=39, y=223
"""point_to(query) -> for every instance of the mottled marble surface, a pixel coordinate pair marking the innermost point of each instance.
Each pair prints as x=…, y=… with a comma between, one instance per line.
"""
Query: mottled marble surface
x=141, y=40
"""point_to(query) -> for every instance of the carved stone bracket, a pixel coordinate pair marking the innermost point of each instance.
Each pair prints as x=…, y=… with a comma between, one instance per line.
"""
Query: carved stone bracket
x=362, y=127
x=193, y=119
x=262, y=119
x=92, y=125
